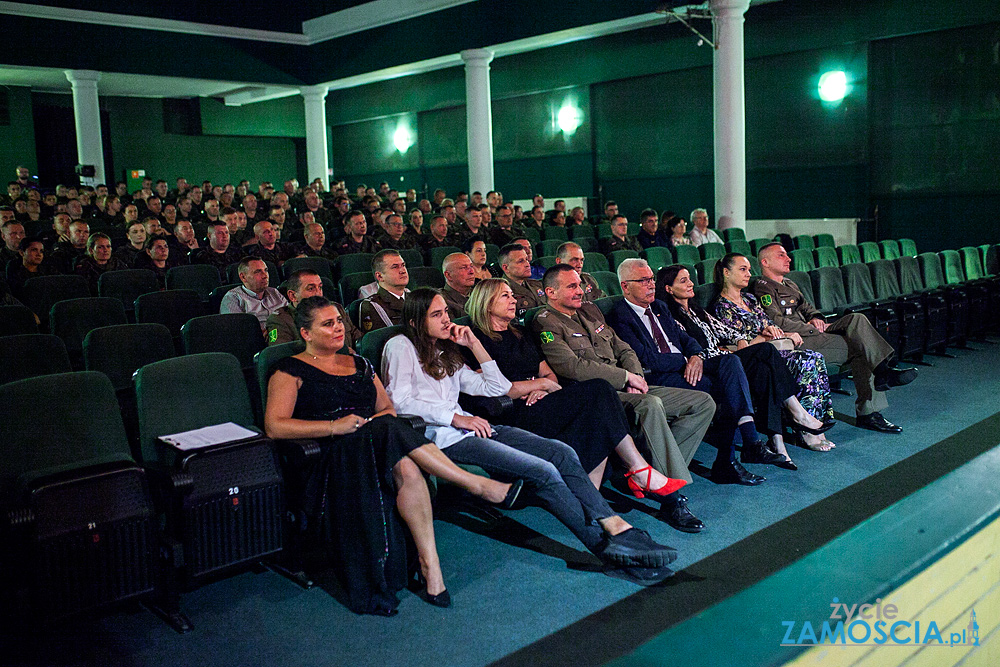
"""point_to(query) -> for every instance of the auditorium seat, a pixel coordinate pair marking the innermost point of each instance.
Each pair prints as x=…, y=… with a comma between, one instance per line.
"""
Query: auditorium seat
x=437, y=256
x=933, y=302
x=608, y=282
x=802, y=260
x=202, y=278
x=171, y=308
x=426, y=276
x=824, y=241
x=236, y=333
x=587, y=243
x=686, y=254
x=706, y=269
x=957, y=299
x=554, y=233
x=907, y=248
x=758, y=243
x=40, y=293
x=127, y=285
x=618, y=256
x=740, y=246
x=577, y=232
x=17, y=320
x=350, y=283
x=362, y=261
x=711, y=250
x=545, y=262
x=803, y=281
x=861, y=295
x=73, y=319
x=890, y=248
x=734, y=234
x=413, y=257
x=31, y=355
x=320, y=265
x=657, y=258
x=548, y=247
x=825, y=256
x=907, y=309
x=978, y=293
x=804, y=242
x=215, y=298
x=869, y=251
x=849, y=254
x=595, y=261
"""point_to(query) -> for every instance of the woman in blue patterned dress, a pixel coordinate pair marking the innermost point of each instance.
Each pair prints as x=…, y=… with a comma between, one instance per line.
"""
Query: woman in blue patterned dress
x=742, y=313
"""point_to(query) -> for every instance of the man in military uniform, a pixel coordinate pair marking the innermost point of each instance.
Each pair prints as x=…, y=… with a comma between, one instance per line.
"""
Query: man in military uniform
x=438, y=237
x=280, y=325
x=619, y=240
x=459, y=278
x=385, y=307
x=314, y=244
x=851, y=339
x=572, y=254
x=393, y=236
x=579, y=345
x=505, y=231
x=472, y=227
x=219, y=252
x=517, y=270
x=357, y=239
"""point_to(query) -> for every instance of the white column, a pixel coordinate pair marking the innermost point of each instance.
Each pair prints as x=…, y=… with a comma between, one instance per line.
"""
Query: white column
x=479, y=118
x=317, y=160
x=87, y=112
x=730, y=113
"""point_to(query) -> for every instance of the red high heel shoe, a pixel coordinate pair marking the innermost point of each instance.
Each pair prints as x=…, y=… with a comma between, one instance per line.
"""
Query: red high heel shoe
x=641, y=491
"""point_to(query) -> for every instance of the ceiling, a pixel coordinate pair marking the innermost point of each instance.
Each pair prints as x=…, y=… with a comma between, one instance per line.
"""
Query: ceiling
x=264, y=50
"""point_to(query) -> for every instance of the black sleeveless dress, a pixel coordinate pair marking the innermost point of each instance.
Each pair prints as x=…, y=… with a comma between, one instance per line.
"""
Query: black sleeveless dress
x=350, y=495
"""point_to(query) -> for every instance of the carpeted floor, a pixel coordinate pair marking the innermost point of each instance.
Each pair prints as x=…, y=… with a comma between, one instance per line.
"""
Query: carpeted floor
x=518, y=581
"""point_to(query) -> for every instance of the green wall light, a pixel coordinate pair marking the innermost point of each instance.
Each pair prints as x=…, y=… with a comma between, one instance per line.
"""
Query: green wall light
x=569, y=118
x=402, y=139
x=833, y=86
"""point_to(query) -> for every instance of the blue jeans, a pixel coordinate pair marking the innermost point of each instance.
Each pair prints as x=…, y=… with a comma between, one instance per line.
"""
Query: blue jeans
x=550, y=467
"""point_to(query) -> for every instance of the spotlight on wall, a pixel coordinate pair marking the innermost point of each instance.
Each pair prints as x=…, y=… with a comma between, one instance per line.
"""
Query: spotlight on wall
x=569, y=118
x=402, y=139
x=833, y=86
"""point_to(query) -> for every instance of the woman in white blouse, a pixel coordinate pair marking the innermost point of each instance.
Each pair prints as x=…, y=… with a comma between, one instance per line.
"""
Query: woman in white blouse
x=425, y=372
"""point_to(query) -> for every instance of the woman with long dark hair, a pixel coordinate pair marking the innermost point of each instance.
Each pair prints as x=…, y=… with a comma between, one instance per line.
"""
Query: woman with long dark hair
x=371, y=461
x=772, y=385
x=425, y=372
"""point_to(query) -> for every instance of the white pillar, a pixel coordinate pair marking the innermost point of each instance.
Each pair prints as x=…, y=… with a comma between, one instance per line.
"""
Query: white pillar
x=730, y=113
x=317, y=160
x=479, y=118
x=87, y=112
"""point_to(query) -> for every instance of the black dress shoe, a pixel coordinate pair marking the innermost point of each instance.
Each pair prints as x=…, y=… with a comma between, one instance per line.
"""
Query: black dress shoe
x=734, y=473
x=887, y=378
x=876, y=422
x=679, y=517
x=759, y=453
x=511, y=498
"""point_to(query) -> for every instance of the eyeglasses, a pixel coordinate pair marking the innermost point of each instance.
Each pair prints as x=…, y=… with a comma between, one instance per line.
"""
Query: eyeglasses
x=642, y=281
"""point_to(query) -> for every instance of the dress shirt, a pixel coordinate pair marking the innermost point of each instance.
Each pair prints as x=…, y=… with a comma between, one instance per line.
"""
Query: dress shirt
x=241, y=300
x=641, y=313
x=436, y=401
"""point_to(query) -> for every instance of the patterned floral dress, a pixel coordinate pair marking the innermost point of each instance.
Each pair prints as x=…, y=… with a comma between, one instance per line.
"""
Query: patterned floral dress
x=808, y=367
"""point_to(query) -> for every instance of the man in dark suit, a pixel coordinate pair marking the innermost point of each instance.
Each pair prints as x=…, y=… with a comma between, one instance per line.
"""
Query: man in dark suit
x=670, y=358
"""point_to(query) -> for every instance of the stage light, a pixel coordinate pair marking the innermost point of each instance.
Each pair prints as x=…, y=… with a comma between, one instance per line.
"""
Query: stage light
x=833, y=86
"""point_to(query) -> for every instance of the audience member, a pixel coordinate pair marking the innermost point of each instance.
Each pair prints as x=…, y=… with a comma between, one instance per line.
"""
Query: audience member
x=572, y=254
x=516, y=269
x=385, y=307
x=97, y=260
x=302, y=284
x=701, y=233
x=253, y=296
x=459, y=278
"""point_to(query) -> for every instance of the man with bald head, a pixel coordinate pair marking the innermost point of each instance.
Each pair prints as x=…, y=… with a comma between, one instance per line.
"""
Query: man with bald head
x=314, y=244
x=459, y=278
x=268, y=248
x=67, y=252
x=850, y=340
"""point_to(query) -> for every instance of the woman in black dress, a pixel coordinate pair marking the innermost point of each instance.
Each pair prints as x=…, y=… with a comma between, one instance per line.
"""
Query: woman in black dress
x=588, y=416
x=370, y=461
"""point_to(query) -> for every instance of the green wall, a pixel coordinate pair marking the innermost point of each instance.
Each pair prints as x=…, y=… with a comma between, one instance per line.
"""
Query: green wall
x=17, y=140
x=283, y=117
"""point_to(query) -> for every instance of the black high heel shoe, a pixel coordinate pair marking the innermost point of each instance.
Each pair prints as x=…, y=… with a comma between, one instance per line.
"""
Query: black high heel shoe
x=442, y=599
x=802, y=428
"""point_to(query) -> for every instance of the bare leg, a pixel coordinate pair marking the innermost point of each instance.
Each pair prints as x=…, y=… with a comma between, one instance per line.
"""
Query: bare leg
x=414, y=504
x=597, y=474
x=629, y=453
x=614, y=525
x=800, y=414
x=779, y=446
x=817, y=443
x=433, y=461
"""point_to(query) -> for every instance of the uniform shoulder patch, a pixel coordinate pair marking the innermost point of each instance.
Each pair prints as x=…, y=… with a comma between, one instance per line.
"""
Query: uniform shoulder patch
x=272, y=335
x=766, y=300
x=547, y=337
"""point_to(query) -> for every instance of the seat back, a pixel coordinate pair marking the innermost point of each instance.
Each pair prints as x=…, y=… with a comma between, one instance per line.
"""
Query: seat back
x=740, y=246
x=930, y=270
x=533, y=235
x=686, y=254
x=972, y=263
x=890, y=248
x=908, y=274
x=804, y=242
x=607, y=303
x=857, y=283
x=554, y=233
x=824, y=241
x=586, y=243
x=711, y=250
x=548, y=247
x=437, y=256
x=608, y=282
x=603, y=230
x=358, y=262
x=546, y=262
x=991, y=259
x=215, y=298
x=16, y=320
x=426, y=276
x=236, y=333
x=577, y=232
x=53, y=424
x=804, y=283
x=320, y=265
x=802, y=260
x=734, y=234
x=73, y=319
x=171, y=308
x=706, y=269
x=951, y=262
x=757, y=244
x=371, y=345
x=849, y=254
x=595, y=261
x=41, y=292
x=883, y=277
x=414, y=257
x=265, y=360
x=201, y=278
x=828, y=287
x=826, y=256
x=755, y=269
x=119, y=351
x=189, y=392
x=705, y=294
x=127, y=285
x=657, y=258
x=31, y=355
x=618, y=256
x=352, y=282
x=869, y=251
x=907, y=248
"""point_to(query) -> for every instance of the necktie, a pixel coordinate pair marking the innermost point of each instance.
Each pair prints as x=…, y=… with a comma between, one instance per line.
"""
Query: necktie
x=661, y=342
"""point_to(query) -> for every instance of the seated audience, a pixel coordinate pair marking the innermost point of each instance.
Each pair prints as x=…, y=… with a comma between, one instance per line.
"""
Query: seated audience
x=13, y=234
x=314, y=243
x=649, y=235
x=302, y=284
x=572, y=254
x=66, y=253
x=385, y=307
x=619, y=239
x=475, y=248
x=675, y=232
x=156, y=258
x=97, y=260
x=459, y=277
x=219, y=252
x=268, y=247
x=370, y=462
x=253, y=296
x=356, y=240
x=516, y=269
x=701, y=233
x=31, y=265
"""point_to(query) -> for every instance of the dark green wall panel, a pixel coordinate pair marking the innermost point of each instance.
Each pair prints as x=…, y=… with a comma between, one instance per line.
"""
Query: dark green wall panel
x=680, y=194
x=283, y=117
x=526, y=126
x=17, y=140
x=367, y=147
x=553, y=176
x=442, y=137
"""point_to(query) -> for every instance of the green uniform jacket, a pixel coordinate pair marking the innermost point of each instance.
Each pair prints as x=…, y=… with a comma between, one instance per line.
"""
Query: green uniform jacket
x=784, y=304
